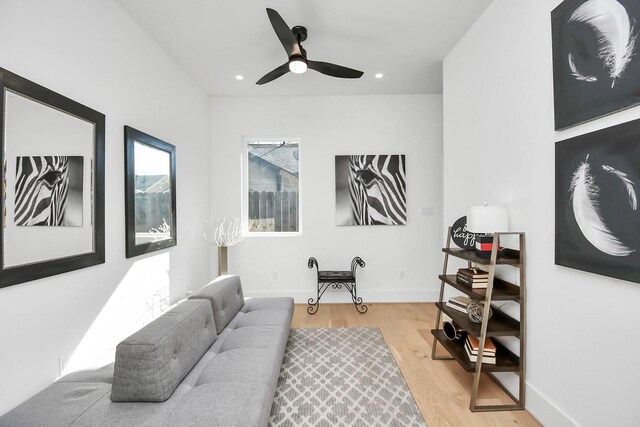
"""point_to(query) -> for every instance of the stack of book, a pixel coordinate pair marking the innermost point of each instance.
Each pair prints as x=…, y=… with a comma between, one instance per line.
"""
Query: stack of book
x=472, y=345
x=473, y=277
x=459, y=303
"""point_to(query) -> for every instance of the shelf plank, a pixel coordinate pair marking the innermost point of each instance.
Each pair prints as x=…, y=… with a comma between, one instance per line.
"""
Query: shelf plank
x=502, y=290
x=510, y=257
x=500, y=324
x=506, y=361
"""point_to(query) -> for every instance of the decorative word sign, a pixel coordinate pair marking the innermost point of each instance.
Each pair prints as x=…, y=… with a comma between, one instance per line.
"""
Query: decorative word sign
x=461, y=237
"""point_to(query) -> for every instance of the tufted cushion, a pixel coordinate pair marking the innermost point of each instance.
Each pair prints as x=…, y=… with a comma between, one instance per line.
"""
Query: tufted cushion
x=233, y=404
x=226, y=298
x=249, y=365
x=261, y=337
x=268, y=303
x=261, y=318
x=152, y=362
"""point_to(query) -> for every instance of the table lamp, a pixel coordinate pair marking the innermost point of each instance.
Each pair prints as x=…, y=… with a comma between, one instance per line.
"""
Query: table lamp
x=484, y=221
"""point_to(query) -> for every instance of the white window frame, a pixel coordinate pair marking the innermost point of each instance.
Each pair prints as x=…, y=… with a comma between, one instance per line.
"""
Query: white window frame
x=245, y=187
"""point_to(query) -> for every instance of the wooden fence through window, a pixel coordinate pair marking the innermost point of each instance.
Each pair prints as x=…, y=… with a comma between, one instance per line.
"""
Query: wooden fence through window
x=273, y=210
x=151, y=210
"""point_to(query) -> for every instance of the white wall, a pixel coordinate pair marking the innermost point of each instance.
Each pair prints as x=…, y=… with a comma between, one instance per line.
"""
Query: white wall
x=327, y=126
x=92, y=52
x=498, y=119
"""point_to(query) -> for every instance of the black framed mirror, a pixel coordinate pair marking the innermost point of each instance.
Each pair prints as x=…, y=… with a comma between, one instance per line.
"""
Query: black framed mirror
x=52, y=176
x=150, y=188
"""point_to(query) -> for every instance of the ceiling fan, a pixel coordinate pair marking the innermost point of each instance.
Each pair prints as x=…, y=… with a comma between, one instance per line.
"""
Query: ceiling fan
x=298, y=63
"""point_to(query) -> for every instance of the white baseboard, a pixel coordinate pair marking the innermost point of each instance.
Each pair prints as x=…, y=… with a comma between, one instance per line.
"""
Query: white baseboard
x=342, y=296
x=545, y=411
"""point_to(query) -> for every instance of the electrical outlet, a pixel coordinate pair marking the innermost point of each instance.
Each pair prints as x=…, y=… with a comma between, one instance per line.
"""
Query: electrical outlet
x=62, y=365
x=401, y=274
x=274, y=275
x=428, y=211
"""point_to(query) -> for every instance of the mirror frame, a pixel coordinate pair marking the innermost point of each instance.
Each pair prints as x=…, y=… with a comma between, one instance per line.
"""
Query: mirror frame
x=13, y=275
x=131, y=136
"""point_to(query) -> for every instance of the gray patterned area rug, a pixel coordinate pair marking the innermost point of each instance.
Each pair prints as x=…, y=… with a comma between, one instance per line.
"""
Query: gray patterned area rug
x=341, y=377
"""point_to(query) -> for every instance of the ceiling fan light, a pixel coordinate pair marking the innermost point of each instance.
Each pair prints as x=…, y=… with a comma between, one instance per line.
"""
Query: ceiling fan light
x=297, y=64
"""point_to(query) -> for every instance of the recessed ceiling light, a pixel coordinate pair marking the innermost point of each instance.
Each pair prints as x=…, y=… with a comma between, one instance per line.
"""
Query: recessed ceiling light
x=239, y=77
x=379, y=75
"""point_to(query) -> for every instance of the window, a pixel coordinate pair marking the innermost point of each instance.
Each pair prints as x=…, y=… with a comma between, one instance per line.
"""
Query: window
x=272, y=190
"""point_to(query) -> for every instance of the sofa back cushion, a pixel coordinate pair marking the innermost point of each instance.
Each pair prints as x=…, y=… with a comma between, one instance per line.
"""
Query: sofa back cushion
x=226, y=298
x=151, y=363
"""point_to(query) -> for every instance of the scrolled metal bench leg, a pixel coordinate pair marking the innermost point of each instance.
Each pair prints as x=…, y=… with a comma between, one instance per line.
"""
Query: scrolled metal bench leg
x=362, y=309
x=357, y=301
x=315, y=305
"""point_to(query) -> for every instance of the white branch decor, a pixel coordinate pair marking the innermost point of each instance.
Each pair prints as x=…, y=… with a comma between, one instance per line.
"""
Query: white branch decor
x=163, y=232
x=222, y=232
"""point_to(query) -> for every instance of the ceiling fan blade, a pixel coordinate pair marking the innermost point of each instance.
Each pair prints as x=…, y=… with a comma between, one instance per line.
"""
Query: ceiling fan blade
x=274, y=74
x=334, y=70
x=283, y=31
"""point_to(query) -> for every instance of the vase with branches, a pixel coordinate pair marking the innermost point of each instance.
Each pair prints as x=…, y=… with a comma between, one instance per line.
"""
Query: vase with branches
x=222, y=232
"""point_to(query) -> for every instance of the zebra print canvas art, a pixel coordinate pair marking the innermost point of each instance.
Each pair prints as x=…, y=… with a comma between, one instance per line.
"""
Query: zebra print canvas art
x=371, y=190
x=48, y=191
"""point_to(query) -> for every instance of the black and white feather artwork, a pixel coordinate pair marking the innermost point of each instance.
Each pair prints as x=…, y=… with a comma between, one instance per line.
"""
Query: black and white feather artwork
x=615, y=40
x=585, y=194
x=629, y=185
x=595, y=59
x=597, y=217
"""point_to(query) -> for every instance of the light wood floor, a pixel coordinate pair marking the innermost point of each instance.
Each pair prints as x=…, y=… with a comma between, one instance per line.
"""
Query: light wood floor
x=441, y=388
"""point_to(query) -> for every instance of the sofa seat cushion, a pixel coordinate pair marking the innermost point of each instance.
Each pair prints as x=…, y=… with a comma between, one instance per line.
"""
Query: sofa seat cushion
x=261, y=318
x=242, y=365
x=152, y=362
x=268, y=303
x=226, y=298
x=98, y=375
x=130, y=414
x=57, y=405
x=261, y=337
x=232, y=404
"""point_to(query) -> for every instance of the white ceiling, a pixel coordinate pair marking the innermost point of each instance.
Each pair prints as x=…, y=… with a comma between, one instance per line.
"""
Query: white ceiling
x=214, y=40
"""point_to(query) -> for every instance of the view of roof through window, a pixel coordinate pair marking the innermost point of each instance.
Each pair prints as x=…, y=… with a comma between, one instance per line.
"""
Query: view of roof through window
x=281, y=154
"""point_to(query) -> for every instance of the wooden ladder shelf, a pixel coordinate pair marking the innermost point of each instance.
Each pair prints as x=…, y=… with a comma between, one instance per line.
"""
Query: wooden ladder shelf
x=500, y=324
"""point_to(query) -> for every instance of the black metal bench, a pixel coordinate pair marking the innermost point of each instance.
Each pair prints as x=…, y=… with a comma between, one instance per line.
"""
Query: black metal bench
x=337, y=280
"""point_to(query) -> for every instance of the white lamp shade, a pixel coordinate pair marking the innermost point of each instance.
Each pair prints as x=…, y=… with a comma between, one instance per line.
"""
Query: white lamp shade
x=487, y=219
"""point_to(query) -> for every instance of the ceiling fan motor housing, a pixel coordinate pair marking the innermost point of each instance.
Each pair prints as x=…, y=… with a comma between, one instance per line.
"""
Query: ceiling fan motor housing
x=300, y=32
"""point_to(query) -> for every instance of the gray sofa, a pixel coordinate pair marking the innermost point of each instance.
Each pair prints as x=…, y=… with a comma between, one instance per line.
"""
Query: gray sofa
x=212, y=360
